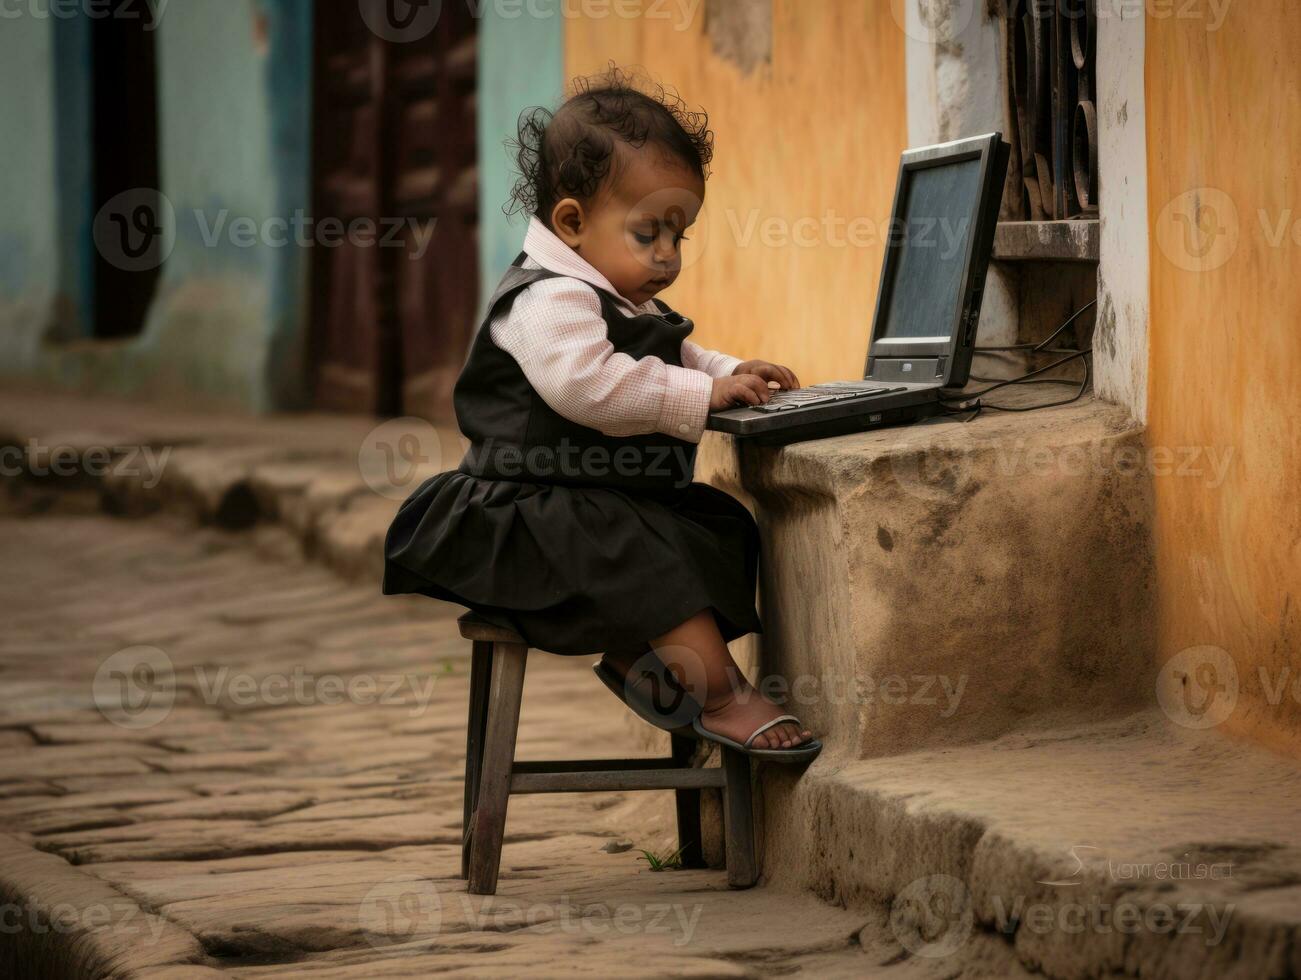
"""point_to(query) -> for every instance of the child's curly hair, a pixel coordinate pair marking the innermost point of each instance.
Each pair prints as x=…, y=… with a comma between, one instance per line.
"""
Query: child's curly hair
x=572, y=152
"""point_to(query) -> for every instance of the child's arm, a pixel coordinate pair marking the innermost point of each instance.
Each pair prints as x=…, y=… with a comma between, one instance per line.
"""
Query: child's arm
x=714, y=363
x=556, y=334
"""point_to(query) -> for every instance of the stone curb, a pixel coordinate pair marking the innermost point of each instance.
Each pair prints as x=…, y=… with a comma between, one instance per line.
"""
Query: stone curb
x=60, y=922
x=316, y=494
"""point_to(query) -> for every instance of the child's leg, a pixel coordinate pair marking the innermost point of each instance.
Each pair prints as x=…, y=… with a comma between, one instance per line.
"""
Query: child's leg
x=732, y=706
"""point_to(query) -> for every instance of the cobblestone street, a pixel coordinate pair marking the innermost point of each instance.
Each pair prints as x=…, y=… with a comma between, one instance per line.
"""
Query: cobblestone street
x=219, y=758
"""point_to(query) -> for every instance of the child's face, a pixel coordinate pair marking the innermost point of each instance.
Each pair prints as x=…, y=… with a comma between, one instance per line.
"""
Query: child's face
x=632, y=232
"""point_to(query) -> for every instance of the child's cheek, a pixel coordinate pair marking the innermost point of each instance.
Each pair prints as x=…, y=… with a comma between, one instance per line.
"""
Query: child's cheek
x=635, y=257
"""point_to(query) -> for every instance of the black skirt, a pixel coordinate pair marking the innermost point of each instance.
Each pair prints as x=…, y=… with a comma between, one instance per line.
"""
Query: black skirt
x=577, y=570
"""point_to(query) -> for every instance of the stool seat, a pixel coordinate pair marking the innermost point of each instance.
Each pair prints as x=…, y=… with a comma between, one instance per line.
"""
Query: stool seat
x=475, y=627
x=492, y=775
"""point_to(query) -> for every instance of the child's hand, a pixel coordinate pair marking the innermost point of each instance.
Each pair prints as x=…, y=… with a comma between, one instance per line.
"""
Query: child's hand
x=784, y=376
x=738, y=390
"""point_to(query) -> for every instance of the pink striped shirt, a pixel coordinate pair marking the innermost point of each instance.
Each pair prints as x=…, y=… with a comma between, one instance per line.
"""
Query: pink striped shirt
x=555, y=332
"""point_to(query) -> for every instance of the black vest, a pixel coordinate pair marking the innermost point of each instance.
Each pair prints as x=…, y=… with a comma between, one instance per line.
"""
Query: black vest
x=515, y=435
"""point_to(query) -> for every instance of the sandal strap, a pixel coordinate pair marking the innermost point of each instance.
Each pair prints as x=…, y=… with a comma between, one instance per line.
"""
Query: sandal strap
x=767, y=725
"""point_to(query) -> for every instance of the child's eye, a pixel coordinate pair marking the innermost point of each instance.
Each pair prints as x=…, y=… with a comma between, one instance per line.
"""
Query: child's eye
x=643, y=239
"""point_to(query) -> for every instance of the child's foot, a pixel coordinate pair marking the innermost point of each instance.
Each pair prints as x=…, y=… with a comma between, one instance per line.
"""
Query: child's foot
x=738, y=713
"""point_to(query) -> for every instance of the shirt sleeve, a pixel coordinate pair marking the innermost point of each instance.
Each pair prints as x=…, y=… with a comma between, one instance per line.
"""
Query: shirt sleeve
x=712, y=362
x=558, y=337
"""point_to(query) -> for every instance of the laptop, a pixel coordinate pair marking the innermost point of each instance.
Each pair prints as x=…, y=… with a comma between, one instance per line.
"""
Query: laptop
x=941, y=232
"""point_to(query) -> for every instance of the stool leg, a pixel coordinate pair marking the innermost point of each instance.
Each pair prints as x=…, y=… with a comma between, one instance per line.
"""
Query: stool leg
x=480, y=680
x=688, y=806
x=508, y=661
x=738, y=820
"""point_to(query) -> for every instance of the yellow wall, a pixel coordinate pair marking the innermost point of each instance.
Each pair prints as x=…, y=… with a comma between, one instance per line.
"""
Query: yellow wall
x=1224, y=119
x=819, y=131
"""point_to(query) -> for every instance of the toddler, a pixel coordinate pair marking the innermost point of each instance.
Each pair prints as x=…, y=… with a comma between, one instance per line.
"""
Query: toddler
x=573, y=518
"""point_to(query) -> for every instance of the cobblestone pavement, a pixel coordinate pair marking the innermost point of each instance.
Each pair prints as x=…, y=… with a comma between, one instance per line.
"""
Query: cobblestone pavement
x=218, y=756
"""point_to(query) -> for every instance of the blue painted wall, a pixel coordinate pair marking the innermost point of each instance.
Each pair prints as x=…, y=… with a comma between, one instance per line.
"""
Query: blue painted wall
x=228, y=322
x=29, y=251
x=236, y=130
x=289, y=87
x=228, y=327
x=521, y=64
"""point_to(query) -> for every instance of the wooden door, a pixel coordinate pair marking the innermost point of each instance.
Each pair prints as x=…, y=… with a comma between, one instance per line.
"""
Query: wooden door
x=435, y=187
x=394, y=142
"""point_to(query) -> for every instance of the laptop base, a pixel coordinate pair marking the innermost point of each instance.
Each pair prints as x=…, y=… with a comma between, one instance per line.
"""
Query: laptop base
x=824, y=428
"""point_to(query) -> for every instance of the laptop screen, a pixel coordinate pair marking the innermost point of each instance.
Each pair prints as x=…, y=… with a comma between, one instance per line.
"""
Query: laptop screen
x=933, y=231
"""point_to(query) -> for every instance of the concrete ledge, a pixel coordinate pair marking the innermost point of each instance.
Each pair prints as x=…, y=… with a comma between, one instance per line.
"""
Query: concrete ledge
x=1047, y=241
x=946, y=583
x=1071, y=844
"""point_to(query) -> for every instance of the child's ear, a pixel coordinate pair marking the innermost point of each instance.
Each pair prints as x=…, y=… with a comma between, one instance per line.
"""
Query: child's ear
x=568, y=221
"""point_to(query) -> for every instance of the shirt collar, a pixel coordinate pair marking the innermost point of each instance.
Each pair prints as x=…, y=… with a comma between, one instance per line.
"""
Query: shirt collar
x=543, y=246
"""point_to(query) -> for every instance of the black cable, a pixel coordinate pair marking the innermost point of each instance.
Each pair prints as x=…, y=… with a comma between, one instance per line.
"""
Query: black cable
x=1024, y=378
x=1042, y=381
x=1031, y=378
x=1044, y=343
x=1084, y=384
x=951, y=412
x=1046, y=350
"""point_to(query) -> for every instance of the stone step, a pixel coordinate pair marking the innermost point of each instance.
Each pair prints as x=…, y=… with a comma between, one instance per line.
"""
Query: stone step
x=1130, y=847
x=945, y=582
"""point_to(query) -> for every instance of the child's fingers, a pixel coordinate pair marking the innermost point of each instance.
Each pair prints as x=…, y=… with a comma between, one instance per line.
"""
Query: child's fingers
x=753, y=389
x=784, y=376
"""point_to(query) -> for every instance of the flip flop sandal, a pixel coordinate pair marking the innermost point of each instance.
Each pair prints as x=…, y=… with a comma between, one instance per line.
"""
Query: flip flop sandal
x=640, y=701
x=804, y=752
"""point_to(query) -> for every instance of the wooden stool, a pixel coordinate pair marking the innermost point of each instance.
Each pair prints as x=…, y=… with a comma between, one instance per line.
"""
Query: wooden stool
x=492, y=774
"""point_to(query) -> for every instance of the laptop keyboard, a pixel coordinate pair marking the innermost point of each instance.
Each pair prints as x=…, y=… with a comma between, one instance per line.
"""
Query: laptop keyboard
x=824, y=394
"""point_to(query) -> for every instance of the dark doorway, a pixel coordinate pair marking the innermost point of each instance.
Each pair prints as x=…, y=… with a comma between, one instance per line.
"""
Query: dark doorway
x=124, y=105
x=394, y=143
